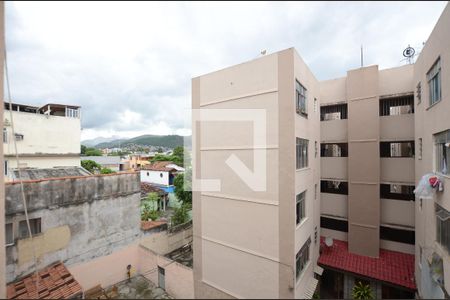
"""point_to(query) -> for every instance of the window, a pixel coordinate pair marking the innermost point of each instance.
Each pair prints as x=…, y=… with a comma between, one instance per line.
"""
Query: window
x=443, y=227
x=300, y=207
x=9, y=238
x=397, y=192
x=300, y=95
x=333, y=112
x=334, y=150
x=315, y=104
x=334, y=224
x=19, y=137
x=302, y=153
x=420, y=148
x=315, y=191
x=35, y=225
x=315, y=235
x=334, y=187
x=148, y=174
x=315, y=149
x=442, y=141
x=397, y=106
x=434, y=82
x=5, y=135
x=397, y=149
x=419, y=92
x=397, y=235
x=161, y=175
x=5, y=167
x=302, y=258
x=420, y=256
x=72, y=113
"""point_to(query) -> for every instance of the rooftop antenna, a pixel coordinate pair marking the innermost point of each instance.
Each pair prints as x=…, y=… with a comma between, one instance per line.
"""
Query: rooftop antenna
x=409, y=54
x=362, y=56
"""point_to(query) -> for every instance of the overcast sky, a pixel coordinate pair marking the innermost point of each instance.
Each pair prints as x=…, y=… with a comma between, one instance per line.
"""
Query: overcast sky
x=129, y=65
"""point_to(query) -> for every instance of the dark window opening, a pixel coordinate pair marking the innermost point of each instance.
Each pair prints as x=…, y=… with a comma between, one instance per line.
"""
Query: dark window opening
x=300, y=207
x=334, y=187
x=397, y=149
x=397, y=106
x=397, y=192
x=333, y=112
x=334, y=150
x=35, y=225
x=334, y=224
x=397, y=235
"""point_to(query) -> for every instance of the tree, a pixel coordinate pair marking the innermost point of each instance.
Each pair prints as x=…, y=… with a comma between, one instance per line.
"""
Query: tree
x=177, y=157
x=93, y=152
x=362, y=291
x=149, y=207
x=106, y=171
x=83, y=150
x=184, y=193
x=180, y=215
x=90, y=165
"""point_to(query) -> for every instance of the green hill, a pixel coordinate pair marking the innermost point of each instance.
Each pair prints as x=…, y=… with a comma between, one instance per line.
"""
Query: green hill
x=170, y=141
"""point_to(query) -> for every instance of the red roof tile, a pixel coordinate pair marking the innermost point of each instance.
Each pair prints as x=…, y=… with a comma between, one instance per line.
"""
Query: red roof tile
x=393, y=267
x=158, y=166
x=54, y=281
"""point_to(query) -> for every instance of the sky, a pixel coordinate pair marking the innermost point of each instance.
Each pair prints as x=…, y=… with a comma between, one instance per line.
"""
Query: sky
x=129, y=64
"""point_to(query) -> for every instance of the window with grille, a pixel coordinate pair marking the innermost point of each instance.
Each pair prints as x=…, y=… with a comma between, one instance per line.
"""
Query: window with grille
x=397, y=149
x=420, y=148
x=419, y=92
x=301, y=100
x=397, y=106
x=443, y=227
x=9, y=234
x=35, y=225
x=442, y=143
x=301, y=153
x=300, y=207
x=434, y=82
x=397, y=192
x=302, y=258
x=333, y=112
x=334, y=150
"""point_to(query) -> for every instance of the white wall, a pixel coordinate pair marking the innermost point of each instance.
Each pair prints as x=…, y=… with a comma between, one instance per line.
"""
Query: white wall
x=43, y=134
x=155, y=177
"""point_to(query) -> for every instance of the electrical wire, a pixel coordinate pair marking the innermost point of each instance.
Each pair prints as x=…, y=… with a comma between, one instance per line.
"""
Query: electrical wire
x=22, y=190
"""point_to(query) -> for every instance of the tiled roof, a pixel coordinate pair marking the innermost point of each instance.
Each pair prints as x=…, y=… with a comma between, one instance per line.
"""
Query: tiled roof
x=158, y=166
x=391, y=266
x=54, y=282
x=147, y=187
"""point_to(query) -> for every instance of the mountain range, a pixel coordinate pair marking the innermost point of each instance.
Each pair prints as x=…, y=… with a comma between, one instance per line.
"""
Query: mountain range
x=169, y=141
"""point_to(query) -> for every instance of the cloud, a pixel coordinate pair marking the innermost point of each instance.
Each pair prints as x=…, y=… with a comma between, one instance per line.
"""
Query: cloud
x=129, y=64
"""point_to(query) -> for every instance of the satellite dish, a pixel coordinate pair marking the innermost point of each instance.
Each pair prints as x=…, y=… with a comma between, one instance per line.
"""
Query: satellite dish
x=409, y=52
x=329, y=241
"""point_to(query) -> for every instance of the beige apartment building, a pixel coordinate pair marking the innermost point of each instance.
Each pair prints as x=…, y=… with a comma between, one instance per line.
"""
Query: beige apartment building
x=342, y=160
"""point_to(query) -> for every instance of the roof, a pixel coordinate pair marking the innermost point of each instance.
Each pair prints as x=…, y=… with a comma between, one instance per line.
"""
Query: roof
x=56, y=172
x=391, y=266
x=159, y=166
x=147, y=187
x=103, y=160
x=54, y=282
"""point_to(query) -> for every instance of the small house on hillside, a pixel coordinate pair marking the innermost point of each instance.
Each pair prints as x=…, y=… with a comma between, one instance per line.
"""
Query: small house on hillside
x=161, y=173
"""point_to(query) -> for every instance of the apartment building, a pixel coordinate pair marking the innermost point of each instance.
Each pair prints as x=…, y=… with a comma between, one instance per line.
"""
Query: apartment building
x=343, y=158
x=251, y=243
x=46, y=137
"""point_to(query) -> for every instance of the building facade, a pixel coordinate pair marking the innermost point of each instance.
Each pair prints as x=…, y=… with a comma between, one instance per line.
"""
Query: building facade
x=46, y=137
x=343, y=158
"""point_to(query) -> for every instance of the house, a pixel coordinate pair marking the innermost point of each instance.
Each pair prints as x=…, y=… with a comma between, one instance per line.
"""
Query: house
x=111, y=162
x=344, y=158
x=46, y=136
x=147, y=188
x=160, y=173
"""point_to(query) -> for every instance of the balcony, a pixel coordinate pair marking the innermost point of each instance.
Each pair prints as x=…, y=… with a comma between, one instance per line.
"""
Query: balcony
x=397, y=169
x=397, y=128
x=333, y=131
x=334, y=167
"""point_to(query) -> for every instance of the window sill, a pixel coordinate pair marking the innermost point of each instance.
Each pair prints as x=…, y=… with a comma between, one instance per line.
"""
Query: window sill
x=9, y=245
x=302, y=221
x=447, y=176
x=303, y=169
x=433, y=105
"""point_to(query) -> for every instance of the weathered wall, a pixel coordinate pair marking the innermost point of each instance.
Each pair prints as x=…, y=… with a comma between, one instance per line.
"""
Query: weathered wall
x=81, y=218
x=163, y=242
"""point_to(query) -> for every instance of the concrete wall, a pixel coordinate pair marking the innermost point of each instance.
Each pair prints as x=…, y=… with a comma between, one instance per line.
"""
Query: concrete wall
x=2, y=190
x=81, y=218
x=44, y=134
x=397, y=128
x=163, y=242
x=155, y=177
x=431, y=120
x=334, y=168
x=333, y=131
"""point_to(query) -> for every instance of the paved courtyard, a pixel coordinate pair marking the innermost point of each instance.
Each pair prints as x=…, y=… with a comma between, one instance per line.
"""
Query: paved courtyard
x=138, y=288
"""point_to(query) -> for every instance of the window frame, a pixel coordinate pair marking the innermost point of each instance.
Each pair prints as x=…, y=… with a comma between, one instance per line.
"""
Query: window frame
x=442, y=151
x=301, y=153
x=5, y=135
x=300, y=199
x=386, y=149
x=301, y=99
x=12, y=234
x=434, y=78
x=35, y=225
x=302, y=259
x=326, y=152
